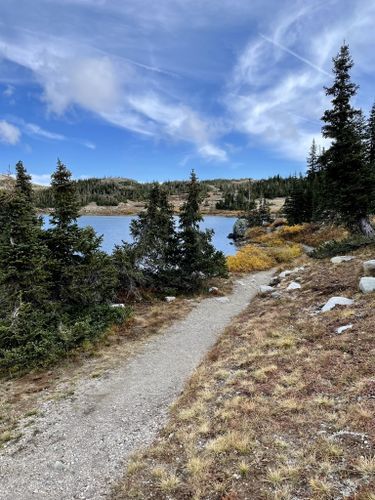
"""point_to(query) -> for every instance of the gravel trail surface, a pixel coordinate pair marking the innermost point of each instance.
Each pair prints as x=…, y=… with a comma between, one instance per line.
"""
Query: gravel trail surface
x=77, y=447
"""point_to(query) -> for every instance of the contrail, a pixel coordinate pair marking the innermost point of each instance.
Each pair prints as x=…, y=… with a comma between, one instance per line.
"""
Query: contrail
x=303, y=59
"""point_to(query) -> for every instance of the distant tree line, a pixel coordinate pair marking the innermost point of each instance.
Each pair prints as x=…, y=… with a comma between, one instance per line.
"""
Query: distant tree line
x=57, y=287
x=340, y=181
x=111, y=192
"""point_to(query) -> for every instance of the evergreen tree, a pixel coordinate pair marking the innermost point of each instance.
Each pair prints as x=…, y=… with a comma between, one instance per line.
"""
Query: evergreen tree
x=155, y=241
x=371, y=137
x=313, y=160
x=82, y=274
x=22, y=254
x=348, y=177
x=199, y=260
x=23, y=182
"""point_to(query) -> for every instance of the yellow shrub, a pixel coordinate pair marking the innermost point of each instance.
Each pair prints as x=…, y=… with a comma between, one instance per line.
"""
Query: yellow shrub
x=290, y=231
x=250, y=258
x=285, y=253
x=255, y=232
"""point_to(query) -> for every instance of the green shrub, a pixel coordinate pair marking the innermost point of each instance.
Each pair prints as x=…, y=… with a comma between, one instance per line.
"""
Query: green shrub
x=334, y=247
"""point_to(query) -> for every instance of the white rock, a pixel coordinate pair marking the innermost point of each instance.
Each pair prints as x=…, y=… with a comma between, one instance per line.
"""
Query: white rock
x=369, y=267
x=213, y=289
x=293, y=286
x=223, y=300
x=266, y=289
x=343, y=328
x=341, y=258
x=276, y=295
x=336, y=301
x=285, y=273
x=117, y=305
x=170, y=299
x=367, y=284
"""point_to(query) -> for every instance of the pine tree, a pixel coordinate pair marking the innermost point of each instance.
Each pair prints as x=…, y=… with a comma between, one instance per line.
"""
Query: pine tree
x=22, y=253
x=23, y=182
x=371, y=137
x=155, y=241
x=199, y=260
x=83, y=275
x=313, y=160
x=349, y=183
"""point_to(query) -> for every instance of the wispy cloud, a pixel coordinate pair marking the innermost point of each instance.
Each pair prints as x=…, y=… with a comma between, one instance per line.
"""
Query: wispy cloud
x=187, y=71
x=294, y=54
x=9, y=134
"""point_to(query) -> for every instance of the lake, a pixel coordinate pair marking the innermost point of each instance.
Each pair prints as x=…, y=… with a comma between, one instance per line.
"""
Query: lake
x=115, y=228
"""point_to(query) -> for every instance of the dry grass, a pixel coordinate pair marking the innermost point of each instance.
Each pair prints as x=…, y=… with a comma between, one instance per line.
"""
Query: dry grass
x=282, y=408
x=20, y=397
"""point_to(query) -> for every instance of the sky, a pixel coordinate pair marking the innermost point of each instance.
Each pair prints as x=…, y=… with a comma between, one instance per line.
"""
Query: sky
x=150, y=89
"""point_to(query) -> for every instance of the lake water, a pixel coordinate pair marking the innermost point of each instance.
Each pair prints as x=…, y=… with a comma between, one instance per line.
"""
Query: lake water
x=115, y=228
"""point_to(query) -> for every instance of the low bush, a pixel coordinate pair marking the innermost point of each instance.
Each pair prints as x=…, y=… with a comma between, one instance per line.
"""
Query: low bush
x=258, y=258
x=249, y=258
x=334, y=247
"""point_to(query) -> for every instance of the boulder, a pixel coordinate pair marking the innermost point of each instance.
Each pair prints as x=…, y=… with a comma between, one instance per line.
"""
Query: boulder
x=263, y=289
x=239, y=229
x=339, y=259
x=341, y=329
x=369, y=267
x=170, y=298
x=336, y=301
x=293, y=286
x=367, y=284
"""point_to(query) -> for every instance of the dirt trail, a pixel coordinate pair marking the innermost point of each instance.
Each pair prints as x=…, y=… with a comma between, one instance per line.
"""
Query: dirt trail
x=77, y=447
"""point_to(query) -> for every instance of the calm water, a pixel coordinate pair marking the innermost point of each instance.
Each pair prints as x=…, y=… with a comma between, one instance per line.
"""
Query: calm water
x=115, y=228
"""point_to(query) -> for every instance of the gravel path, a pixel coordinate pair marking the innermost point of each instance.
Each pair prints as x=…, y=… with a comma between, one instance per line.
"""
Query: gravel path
x=77, y=447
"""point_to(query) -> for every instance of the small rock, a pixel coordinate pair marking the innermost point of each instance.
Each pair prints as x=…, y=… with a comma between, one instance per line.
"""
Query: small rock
x=263, y=289
x=367, y=284
x=276, y=295
x=293, y=286
x=285, y=273
x=117, y=305
x=170, y=299
x=341, y=258
x=336, y=301
x=223, y=299
x=275, y=281
x=369, y=267
x=213, y=289
x=343, y=328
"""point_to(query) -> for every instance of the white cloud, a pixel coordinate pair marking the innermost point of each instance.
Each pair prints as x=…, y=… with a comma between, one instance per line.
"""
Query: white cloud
x=9, y=134
x=42, y=179
x=37, y=130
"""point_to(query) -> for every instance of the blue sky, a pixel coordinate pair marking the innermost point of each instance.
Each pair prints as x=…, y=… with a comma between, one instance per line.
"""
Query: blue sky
x=149, y=90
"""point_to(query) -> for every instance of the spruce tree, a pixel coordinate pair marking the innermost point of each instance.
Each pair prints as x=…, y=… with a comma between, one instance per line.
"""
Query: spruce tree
x=83, y=275
x=199, y=260
x=348, y=177
x=371, y=137
x=25, y=311
x=155, y=241
x=313, y=160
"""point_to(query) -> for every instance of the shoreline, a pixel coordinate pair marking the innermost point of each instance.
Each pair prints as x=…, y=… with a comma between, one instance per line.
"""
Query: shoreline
x=113, y=211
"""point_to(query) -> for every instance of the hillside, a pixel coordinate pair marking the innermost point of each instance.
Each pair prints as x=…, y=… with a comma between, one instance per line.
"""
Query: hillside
x=282, y=407
x=117, y=196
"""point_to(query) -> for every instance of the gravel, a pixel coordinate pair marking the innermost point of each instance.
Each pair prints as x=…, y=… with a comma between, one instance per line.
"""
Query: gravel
x=78, y=446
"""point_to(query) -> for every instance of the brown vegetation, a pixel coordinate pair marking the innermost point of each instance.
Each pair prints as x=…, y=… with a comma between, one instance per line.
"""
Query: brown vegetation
x=282, y=407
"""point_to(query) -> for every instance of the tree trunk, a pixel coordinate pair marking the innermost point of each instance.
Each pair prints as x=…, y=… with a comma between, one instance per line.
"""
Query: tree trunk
x=366, y=228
